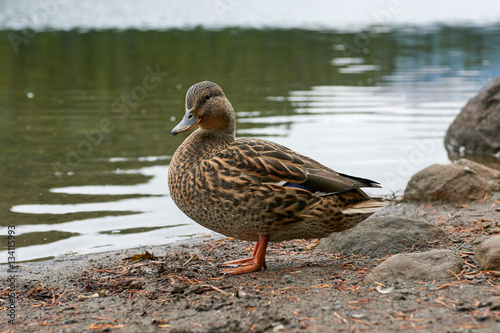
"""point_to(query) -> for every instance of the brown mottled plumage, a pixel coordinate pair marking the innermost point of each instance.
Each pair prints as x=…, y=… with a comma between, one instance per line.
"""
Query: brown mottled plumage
x=254, y=189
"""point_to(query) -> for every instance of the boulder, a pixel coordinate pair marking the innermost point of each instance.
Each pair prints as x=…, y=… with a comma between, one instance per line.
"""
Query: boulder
x=488, y=254
x=456, y=182
x=431, y=265
x=384, y=235
x=476, y=129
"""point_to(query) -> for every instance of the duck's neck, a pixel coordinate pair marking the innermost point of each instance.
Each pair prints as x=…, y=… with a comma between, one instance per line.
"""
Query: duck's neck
x=202, y=143
x=214, y=138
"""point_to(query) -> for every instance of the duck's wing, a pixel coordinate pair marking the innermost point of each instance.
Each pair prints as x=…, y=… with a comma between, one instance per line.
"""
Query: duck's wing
x=271, y=162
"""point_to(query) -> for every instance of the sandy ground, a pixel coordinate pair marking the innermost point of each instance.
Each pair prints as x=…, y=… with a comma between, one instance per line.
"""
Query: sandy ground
x=179, y=288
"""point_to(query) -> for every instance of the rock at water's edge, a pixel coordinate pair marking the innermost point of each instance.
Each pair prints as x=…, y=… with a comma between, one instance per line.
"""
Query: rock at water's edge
x=452, y=183
x=476, y=129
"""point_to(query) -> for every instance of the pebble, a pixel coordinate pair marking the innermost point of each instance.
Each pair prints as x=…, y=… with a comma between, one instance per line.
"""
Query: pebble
x=241, y=293
x=358, y=315
x=469, y=277
x=278, y=328
x=288, y=278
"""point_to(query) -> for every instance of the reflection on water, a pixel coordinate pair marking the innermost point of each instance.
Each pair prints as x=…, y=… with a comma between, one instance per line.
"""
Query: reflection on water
x=155, y=219
x=375, y=132
x=86, y=139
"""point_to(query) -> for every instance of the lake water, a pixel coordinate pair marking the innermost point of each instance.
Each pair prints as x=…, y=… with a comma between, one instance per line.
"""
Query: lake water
x=86, y=116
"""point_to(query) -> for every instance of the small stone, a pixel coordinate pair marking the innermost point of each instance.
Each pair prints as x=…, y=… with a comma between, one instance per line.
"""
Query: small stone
x=469, y=277
x=278, y=328
x=384, y=291
x=241, y=293
x=288, y=278
x=358, y=315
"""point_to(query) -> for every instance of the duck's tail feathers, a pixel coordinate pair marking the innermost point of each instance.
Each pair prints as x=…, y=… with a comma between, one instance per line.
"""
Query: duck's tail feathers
x=366, y=207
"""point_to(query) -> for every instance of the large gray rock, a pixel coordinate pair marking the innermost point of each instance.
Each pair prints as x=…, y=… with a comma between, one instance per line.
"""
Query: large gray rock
x=384, y=235
x=488, y=254
x=431, y=265
x=476, y=130
x=456, y=182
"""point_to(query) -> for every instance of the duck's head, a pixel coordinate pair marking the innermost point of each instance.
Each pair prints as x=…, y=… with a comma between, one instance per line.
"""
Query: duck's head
x=207, y=107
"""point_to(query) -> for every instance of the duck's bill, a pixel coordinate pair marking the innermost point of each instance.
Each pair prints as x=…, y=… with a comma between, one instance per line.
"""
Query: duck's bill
x=189, y=121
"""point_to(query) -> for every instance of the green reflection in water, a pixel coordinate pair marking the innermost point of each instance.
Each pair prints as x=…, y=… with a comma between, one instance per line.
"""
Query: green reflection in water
x=38, y=238
x=69, y=101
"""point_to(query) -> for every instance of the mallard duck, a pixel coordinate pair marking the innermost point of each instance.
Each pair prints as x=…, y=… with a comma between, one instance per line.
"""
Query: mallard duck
x=253, y=189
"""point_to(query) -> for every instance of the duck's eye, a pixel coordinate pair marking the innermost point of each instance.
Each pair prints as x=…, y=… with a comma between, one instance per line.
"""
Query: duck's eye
x=207, y=97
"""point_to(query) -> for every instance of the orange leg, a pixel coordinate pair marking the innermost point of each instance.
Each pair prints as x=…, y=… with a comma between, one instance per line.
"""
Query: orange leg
x=256, y=263
x=242, y=261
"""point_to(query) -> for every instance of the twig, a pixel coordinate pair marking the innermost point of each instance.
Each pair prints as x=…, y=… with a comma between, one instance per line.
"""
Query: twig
x=214, y=288
x=193, y=257
x=442, y=303
x=60, y=296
